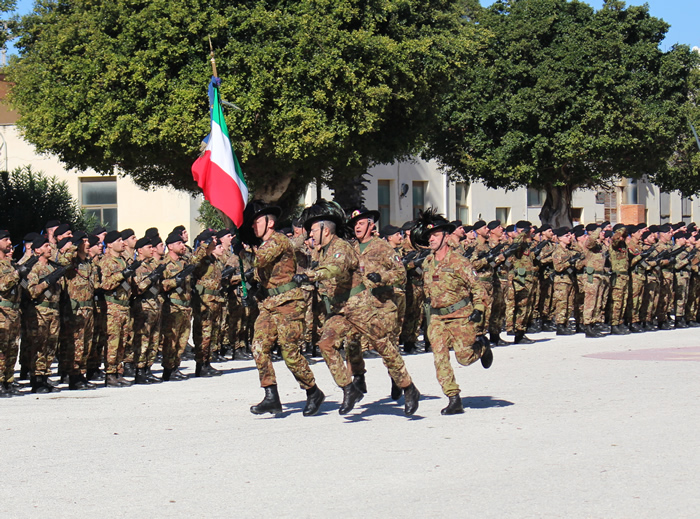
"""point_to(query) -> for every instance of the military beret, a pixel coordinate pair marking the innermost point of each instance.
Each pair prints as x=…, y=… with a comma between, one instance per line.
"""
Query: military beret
x=297, y=223
x=408, y=225
x=225, y=232
x=544, y=227
x=206, y=234
x=653, y=228
x=510, y=228
x=561, y=231
x=63, y=242
x=389, y=230
x=178, y=229
x=678, y=225
x=142, y=242
x=93, y=240
x=156, y=240
x=619, y=226
x=604, y=224
x=579, y=232
x=646, y=234
x=468, y=228
x=591, y=227
x=607, y=234
x=457, y=223
x=79, y=236
x=112, y=236
x=664, y=228
x=62, y=229
x=31, y=236
x=98, y=230
x=151, y=232
x=577, y=227
x=52, y=223
x=4, y=233
x=681, y=234
x=478, y=225
x=691, y=226
x=493, y=224
x=173, y=237
x=39, y=241
x=523, y=224
x=127, y=233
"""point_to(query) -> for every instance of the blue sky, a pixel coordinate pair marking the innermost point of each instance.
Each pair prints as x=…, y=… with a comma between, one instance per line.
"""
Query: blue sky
x=683, y=15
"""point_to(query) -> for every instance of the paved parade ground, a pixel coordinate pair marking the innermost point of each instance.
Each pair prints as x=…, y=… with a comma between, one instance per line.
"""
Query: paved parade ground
x=567, y=427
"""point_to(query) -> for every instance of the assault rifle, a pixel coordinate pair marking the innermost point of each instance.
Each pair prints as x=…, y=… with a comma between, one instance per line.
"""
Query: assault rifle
x=181, y=276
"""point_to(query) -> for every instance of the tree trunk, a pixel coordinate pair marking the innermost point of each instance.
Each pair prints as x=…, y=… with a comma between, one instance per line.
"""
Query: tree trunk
x=556, y=210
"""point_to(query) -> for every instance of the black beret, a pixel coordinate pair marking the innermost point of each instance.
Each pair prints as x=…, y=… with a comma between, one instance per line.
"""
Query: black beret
x=38, y=242
x=478, y=225
x=619, y=226
x=62, y=229
x=523, y=224
x=389, y=230
x=79, y=236
x=408, y=225
x=681, y=234
x=127, y=233
x=678, y=225
x=591, y=227
x=98, y=230
x=468, y=228
x=93, y=240
x=691, y=226
x=646, y=234
x=493, y=224
x=577, y=227
x=4, y=234
x=561, y=231
x=664, y=228
x=151, y=232
x=173, y=237
x=607, y=234
x=52, y=223
x=510, y=228
x=142, y=242
x=457, y=223
x=178, y=229
x=653, y=228
x=544, y=227
x=112, y=236
x=579, y=232
x=156, y=240
x=31, y=236
x=605, y=223
x=224, y=232
x=62, y=242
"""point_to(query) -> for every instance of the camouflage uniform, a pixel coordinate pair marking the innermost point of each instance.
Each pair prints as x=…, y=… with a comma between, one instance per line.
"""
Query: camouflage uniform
x=234, y=329
x=453, y=292
x=650, y=299
x=377, y=256
x=681, y=268
x=177, y=313
x=9, y=320
x=147, y=310
x=620, y=279
x=666, y=299
x=485, y=278
x=545, y=303
x=207, y=308
x=594, y=280
x=521, y=279
x=638, y=279
x=119, y=321
x=353, y=311
x=563, y=284
x=42, y=319
x=281, y=317
x=80, y=280
x=500, y=289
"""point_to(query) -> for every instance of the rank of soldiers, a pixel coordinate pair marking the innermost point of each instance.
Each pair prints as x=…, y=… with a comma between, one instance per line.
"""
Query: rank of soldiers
x=107, y=306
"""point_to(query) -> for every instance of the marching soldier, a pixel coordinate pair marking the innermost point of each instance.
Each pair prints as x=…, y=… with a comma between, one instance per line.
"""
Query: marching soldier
x=9, y=317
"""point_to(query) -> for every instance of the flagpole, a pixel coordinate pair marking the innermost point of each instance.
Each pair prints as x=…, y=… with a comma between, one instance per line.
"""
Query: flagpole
x=213, y=61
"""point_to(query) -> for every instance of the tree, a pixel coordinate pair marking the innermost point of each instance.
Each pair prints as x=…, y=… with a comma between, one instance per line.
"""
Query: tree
x=6, y=6
x=31, y=198
x=322, y=87
x=566, y=97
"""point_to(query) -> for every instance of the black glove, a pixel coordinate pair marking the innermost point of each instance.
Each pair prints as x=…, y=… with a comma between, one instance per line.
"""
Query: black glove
x=476, y=316
x=249, y=275
x=157, y=273
x=300, y=279
x=314, y=264
x=182, y=275
x=374, y=277
x=54, y=276
x=227, y=272
x=21, y=269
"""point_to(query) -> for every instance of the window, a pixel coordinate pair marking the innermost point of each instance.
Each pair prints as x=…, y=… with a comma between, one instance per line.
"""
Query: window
x=384, y=201
x=686, y=209
x=631, y=191
x=664, y=208
x=98, y=197
x=610, y=202
x=536, y=197
x=503, y=214
x=576, y=215
x=418, y=197
x=461, y=194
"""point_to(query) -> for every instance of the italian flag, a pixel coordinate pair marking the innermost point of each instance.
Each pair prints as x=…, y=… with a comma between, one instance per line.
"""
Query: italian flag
x=217, y=170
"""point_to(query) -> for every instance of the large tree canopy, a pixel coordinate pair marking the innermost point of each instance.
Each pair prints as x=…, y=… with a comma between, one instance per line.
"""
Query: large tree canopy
x=322, y=86
x=565, y=97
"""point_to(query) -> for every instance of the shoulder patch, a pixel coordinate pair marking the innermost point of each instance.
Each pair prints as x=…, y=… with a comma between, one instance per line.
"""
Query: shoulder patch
x=337, y=255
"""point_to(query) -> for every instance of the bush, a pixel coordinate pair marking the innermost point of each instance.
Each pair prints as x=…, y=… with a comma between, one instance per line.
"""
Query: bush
x=31, y=198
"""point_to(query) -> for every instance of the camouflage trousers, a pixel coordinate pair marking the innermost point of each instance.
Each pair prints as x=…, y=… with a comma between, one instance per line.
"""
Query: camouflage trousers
x=594, y=287
x=400, y=302
x=234, y=330
x=9, y=342
x=79, y=325
x=636, y=293
x=456, y=334
x=205, y=329
x=175, y=332
x=650, y=300
x=579, y=296
x=43, y=327
x=119, y=336
x=619, y=294
x=414, y=312
x=358, y=343
x=361, y=321
x=681, y=293
x=535, y=297
x=308, y=316
x=563, y=300
x=99, y=335
x=486, y=283
x=518, y=305
x=666, y=299
x=25, y=343
x=285, y=326
x=498, y=308
x=693, y=305
x=147, y=320
x=545, y=302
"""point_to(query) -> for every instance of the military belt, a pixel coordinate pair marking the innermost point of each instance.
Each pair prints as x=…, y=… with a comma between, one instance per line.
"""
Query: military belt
x=80, y=304
x=116, y=301
x=620, y=272
x=281, y=289
x=9, y=304
x=205, y=291
x=347, y=295
x=47, y=304
x=179, y=302
x=452, y=308
x=485, y=278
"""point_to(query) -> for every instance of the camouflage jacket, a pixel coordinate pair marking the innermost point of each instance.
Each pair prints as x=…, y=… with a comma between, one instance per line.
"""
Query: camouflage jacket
x=561, y=257
x=450, y=281
x=113, y=282
x=38, y=290
x=619, y=255
x=142, y=285
x=81, y=280
x=337, y=272
x=377, y=256
x=9, y=282
x=275, y=264
x=181, y=293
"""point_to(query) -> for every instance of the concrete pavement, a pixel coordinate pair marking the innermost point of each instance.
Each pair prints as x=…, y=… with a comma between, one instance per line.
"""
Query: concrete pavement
x=567, y=427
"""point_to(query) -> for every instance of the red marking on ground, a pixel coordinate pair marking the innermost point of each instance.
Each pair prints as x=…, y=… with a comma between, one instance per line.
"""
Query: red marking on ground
x=689, y=354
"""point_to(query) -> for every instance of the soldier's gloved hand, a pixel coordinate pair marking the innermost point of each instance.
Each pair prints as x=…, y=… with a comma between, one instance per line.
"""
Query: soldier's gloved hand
x=157, y=273
x=249, y=274
x=128, y=272
x=227, y=272
x=314, y=264
x=57, y=274
x=476, y=316
x=300, y=279
x=22, y=269
x=374, y=277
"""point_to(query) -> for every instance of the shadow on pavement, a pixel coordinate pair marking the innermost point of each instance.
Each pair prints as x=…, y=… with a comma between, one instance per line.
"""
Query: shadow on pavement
x=484, y=402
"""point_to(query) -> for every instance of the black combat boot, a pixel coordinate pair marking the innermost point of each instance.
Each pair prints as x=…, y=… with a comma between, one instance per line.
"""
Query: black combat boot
x=636, y=328
x=591, y=332
x=562, y=329
x=122, y=381
x=129, y=370
x=75, y=382
x=241, y=354
x=359, y=381
x=351, y=395
x=4, y=393
x=454, y=406
x=111, y=380
x=486, y=356
x=201, y=371
x=176, y=375
x=426, y=344
x=495, y=340
x=535, y=326
x=693, y=324
x=37, y=384
x=619, y=329
x=549, y=326
x=409, y=347
x=95, y=374
x=151, y=377
x=395, y=390
x=314, y=399
x=213, y=372
x=12, y=389
x=680, y=322
x=88, y=384
x=411, y=396
x=141, y=378
x=521, y=338
x=665, y=325
x=270, y=404
x=23, y=372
